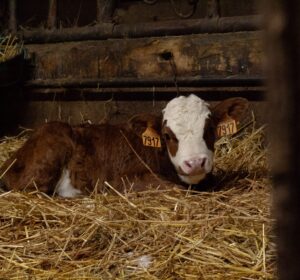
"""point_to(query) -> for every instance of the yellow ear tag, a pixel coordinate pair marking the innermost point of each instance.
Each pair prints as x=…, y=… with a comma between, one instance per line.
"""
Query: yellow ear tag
x=151, y=138
x=227, y=127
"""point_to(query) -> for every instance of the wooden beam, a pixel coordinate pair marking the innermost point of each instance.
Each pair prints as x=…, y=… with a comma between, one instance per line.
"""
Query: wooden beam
x=134, y=82
x=165, y=28
x=207, y=93
x=237, y=90
x=146, y=61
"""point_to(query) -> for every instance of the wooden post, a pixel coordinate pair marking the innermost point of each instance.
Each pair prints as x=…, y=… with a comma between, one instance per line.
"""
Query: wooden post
x=12, y=16
x=105, y=10
x=52, y=14
x=283, y=50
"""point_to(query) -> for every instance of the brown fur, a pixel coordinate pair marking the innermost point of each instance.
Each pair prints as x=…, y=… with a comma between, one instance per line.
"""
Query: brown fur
x=92, y=153
x=39, y=162
x=97, y=153
x=102, y=153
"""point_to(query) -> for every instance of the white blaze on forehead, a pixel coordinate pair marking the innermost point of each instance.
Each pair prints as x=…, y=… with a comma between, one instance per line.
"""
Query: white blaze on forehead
x=186, y=117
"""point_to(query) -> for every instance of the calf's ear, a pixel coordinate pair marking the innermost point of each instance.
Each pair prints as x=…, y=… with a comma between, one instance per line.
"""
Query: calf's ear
x=139, y=123
x=231, y=107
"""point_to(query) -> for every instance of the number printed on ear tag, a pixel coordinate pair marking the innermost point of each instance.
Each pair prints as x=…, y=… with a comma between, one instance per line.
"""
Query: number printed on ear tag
x=151, y=138
x=227, y=127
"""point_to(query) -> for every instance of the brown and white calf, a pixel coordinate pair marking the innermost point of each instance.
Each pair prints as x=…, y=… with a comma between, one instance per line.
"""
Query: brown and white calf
x=74, y=160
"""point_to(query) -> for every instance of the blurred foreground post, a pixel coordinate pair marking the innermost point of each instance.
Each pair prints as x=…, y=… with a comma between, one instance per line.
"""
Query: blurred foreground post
x=283, y=57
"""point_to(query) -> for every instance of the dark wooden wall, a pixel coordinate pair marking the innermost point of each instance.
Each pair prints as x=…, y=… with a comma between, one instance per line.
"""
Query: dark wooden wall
x=33, y=13
x=133, y=54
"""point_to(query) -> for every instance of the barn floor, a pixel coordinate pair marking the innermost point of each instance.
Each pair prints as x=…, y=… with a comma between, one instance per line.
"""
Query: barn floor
x=222, y=234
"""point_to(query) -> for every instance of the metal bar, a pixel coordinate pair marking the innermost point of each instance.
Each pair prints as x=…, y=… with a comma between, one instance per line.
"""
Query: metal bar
x=213, y=8
x=13, y=16
x=52, y=14
x=133, y=82
x=105, y=10
x=165, y=28
x=99, y=10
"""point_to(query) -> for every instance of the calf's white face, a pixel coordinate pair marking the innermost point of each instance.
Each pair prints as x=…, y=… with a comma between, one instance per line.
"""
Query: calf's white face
x=189, y=132
x=184, y=121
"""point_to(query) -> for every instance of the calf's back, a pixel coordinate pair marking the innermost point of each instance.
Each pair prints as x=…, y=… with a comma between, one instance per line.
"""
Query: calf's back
x=88, y=155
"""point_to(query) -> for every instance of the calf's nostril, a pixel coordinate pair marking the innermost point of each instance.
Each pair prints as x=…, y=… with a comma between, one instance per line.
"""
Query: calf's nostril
x=188, y=164
x=203, y=162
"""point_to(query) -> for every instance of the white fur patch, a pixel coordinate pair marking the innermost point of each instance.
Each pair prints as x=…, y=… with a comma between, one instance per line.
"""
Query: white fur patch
x=186, y=117
x=64, y=187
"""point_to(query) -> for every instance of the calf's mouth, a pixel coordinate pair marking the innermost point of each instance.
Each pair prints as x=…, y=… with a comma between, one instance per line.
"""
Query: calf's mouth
x=192, y=178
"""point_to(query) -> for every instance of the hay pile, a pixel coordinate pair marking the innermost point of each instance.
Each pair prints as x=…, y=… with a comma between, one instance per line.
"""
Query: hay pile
x=225, y=234
x=9, y=47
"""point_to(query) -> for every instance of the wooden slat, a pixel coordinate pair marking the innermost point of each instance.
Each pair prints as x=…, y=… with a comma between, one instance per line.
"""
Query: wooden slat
x=231, y=55
x=163, y=28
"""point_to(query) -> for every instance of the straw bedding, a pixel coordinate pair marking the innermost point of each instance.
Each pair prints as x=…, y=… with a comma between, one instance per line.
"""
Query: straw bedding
x=222, y=234
x=9, y=47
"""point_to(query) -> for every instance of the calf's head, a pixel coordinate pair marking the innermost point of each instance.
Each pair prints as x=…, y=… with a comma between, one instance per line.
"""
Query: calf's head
x=189, y=130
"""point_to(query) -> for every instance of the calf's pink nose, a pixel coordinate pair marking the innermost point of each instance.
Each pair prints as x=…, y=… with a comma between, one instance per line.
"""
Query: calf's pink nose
x=195, y=165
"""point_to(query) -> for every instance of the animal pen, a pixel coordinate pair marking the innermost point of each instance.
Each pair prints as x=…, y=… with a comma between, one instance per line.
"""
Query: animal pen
x=104, y=61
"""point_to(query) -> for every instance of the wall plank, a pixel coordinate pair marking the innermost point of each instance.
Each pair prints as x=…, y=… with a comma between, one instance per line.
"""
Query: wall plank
x=214, y=55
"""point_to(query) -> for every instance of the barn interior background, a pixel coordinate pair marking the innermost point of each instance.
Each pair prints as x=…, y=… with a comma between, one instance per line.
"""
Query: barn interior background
x=106, y=60
x=95, y=57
